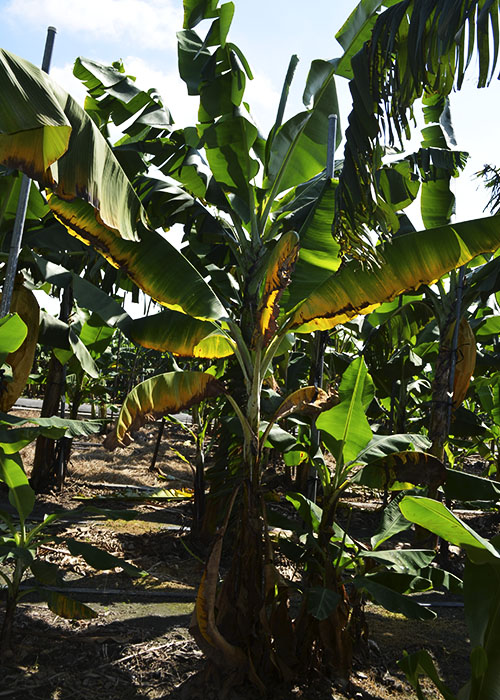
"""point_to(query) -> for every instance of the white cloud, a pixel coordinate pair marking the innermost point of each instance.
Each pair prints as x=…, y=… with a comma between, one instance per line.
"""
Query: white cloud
x=171, y=88
x=64, y=77
x=141, y=23
x=263, y=98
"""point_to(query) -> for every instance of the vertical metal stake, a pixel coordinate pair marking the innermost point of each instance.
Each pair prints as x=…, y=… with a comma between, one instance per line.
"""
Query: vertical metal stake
x=321, y=337
x=22, y=205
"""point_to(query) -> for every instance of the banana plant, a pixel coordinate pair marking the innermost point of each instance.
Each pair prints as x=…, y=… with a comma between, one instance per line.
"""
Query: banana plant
x=260, y=264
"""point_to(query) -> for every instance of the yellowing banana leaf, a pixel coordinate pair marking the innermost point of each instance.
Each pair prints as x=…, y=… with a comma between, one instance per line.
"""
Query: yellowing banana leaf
x=404, y=264
x=166, y=393
x=66, y=607
x=277, y=278
x=310, y=400
x=151, y=262
x=180, y=334
x=37, y=119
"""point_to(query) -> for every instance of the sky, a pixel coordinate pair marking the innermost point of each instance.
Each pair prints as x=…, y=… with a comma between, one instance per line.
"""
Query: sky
x=142, y=33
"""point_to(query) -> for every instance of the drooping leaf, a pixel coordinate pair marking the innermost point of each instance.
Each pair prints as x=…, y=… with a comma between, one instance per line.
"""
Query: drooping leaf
x=404, y=264
x=155, y=397
x=310, y=513
x=384, y=445
x=13, y=440
x=88, y=295
x=414, y=46
x=145, y=261
x=309, y=400
x=36, y=121
x=24, y=304
x=409, y=560
x=181, y=334
x=48, y=574
x=391, y=523
x=482, y=614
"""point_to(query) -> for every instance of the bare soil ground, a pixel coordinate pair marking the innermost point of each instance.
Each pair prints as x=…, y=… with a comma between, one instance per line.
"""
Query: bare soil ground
x=139, y=646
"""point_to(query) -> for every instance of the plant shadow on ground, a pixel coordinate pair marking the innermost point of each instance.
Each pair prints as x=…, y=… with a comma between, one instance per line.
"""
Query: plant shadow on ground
x=130, y=657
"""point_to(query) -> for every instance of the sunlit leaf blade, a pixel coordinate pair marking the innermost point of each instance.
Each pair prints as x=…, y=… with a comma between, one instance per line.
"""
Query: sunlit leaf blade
x=123, y=98
x=356, y=30
x=154, y=398
x=436, y=518
x=405, y=264
x=228, y=144
x=68, y=608
x=37, y=118
x=147, y=262
x=21, y=495
x=346, y=422
x=12, y=333
x=276, y=279
x=180, y=334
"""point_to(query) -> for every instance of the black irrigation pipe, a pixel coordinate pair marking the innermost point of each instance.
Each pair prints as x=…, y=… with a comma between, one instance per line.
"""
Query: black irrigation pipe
x=171, y=596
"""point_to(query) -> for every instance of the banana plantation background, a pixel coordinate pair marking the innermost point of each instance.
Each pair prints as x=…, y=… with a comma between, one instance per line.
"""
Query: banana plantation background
x=318, y=344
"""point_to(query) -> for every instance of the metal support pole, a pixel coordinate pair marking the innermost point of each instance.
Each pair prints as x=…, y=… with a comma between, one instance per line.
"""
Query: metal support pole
x=321, y=337
x=22, y=205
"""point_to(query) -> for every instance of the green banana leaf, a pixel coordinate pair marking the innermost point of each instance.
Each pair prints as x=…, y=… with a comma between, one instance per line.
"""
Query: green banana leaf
x=436, y=518
x=346, y=422
x=299, y=148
